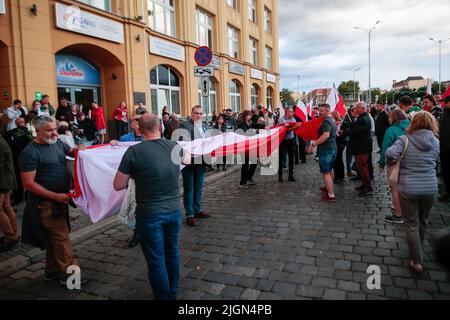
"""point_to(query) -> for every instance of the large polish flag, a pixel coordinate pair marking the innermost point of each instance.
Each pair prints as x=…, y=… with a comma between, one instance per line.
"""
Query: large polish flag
x=429, y=91
x=301, y=111
x=336, y=102
x=309, y=107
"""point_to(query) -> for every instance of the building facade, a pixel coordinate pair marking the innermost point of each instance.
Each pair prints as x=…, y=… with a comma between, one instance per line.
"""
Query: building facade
x=140, y=51
x=319, y=96
x=410, y=83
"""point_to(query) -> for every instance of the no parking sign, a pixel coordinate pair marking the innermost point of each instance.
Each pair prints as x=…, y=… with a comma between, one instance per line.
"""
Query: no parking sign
x=203, y=56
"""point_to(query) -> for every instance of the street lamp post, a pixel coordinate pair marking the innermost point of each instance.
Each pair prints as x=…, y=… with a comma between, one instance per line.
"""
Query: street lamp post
x=369, y=31
x=354, y=80
x=440, y=42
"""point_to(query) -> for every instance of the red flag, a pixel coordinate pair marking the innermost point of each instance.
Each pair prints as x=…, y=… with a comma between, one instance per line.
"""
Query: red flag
x=446, y=94
x=309, y=131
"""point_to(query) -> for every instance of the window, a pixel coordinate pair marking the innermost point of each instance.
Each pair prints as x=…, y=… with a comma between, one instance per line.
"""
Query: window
x=204, y=29
x=232, y=3
x=100, y=4
x=233, y=42
x=161, y=16
x=254, y=96
x=235, y=96
x=253, y=45
x=269, y=95
x=252, y=10
x=267, y=23
x=164, y=90
x=208, y=103
x=268, y=58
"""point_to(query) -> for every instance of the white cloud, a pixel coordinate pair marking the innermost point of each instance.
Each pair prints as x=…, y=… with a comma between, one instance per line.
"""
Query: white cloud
x=318, y=42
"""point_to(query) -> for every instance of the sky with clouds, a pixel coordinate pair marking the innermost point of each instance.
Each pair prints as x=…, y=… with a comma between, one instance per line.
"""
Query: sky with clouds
x=318, y=42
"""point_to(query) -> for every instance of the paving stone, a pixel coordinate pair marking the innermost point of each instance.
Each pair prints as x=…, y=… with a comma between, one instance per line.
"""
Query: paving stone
x=324, y=282
x=331, y=294
x=349, y=286
x=250, y=294
x=310, y=291
x=265, y=285
x=284, y=288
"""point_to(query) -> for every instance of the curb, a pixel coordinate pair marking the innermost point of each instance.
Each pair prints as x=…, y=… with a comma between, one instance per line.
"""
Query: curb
x=34, y=255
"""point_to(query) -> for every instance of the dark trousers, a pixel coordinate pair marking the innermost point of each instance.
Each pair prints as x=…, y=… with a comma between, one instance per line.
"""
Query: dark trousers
x=247, y=171
x=159, y=236
x=121, y=128
x=300, y=150
x=287, y=146
x=338, y=167
x=380, y=139
x=363, y=169
x=370, y=165
x=445, y=164
x=17, y=195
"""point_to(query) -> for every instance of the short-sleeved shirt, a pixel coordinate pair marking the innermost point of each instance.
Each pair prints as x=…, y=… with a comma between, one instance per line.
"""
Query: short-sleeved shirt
x=156, y=176
x=49, y=162
x=290, y=134
x=328, y=125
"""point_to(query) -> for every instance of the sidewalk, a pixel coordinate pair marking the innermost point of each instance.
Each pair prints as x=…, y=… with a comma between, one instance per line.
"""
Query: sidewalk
x=23, y=255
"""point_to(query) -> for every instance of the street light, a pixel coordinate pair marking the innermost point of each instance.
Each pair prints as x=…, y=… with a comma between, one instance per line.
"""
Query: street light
x=354, y=80
x=369, y=31
x=440, y=59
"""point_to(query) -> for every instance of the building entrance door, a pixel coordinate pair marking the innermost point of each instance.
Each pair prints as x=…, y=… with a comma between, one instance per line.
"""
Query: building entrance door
x=83, y=96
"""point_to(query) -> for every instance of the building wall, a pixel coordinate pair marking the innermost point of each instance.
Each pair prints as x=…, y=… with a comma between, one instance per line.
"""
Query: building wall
x=29, y=43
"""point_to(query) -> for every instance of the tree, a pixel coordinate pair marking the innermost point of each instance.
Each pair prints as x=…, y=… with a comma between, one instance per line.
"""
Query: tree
x=286, y=97
x=349, y=89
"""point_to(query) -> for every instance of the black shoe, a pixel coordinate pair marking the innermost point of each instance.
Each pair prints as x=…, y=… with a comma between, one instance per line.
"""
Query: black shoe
x=360, y=188
x=364, y=192
x=291, y=179
x=250, y=182
x=6, y=246
x=394, y=219
x=297, y=163
x=357, y=178
x=134, y=242
x=444, y=198
x=303, y=161
x=280, y=178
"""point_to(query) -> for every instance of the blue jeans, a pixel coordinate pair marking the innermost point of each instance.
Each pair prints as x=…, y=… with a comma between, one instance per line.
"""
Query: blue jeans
x=193, y=181
x=327, y=158
x=348, y=159
x=159, y=236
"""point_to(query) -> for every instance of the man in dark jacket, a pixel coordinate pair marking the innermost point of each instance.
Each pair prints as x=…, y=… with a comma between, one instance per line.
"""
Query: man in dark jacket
x=445, y=148
x=361, y=146
x=8, y=224
x=381, y=124
x=87, y=129
x=63, y=110
x=194, y=174
x=18, y=139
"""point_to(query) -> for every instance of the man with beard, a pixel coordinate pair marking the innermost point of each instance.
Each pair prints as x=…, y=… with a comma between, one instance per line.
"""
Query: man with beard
x=46, y=216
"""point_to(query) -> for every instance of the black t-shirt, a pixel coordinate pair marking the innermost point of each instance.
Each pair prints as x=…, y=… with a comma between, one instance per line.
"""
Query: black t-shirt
x=156, y=176
x=328, y=125
x=49, y=162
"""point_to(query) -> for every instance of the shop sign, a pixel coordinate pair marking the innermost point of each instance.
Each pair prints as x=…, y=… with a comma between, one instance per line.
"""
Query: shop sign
x=236, y=68
x=77, y=71
x=72, y=18
x=166, y=48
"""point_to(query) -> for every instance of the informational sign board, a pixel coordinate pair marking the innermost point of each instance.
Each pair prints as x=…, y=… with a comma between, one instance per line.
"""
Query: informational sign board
x=203, y=72
x=205, y=87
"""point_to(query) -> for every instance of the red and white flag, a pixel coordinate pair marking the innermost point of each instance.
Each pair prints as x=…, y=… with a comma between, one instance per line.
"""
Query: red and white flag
x=301, y=111
x=336, y=102
x=309, y=108
x=446, y=94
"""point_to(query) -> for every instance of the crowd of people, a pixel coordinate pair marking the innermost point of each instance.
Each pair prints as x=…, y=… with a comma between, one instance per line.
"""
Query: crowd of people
x=38, y=151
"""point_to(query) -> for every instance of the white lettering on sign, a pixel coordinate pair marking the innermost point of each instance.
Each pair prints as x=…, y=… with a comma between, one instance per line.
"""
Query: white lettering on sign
x=72, y=18
x=236, y=68
x=256, y=74
x=271, y=78
x=167, y=49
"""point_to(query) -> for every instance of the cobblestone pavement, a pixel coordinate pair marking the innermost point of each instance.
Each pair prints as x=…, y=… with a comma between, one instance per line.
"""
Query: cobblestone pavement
x=274, y=241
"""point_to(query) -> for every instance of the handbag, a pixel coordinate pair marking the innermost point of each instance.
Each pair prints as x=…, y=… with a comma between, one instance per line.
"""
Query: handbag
x=126, y=214
x=394, y=174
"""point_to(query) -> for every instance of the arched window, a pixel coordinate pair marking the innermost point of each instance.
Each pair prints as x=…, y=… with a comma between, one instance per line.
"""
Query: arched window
x=254, y=96
x=208, y=103
x=164, y=89
x=235, y=96
x=269, y=98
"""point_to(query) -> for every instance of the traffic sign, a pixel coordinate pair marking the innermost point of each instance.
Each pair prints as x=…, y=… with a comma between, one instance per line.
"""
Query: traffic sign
x=203, y=56
x=203, y=71
x=205, y=87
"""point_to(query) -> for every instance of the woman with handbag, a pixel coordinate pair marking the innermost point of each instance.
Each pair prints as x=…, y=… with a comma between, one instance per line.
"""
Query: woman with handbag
x=399, y=122
x=417, y=154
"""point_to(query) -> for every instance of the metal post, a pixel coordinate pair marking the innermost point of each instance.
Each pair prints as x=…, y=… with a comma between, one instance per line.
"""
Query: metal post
x=440, y=64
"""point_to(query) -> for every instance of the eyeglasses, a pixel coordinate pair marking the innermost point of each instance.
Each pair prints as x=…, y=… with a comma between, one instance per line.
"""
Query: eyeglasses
x=198, y=113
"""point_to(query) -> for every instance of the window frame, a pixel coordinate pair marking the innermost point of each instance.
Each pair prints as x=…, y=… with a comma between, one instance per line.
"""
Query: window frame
x=233, y=4
x=268, y=55
x=252, y=11
x=169, y=87
x=208, y=25
x=167, y=9
x=233, y=51
x=267, y=20
x=235, y=97
x=253, y=50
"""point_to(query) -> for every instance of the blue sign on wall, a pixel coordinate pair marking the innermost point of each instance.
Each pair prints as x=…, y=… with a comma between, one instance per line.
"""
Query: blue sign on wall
x=72, y=70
